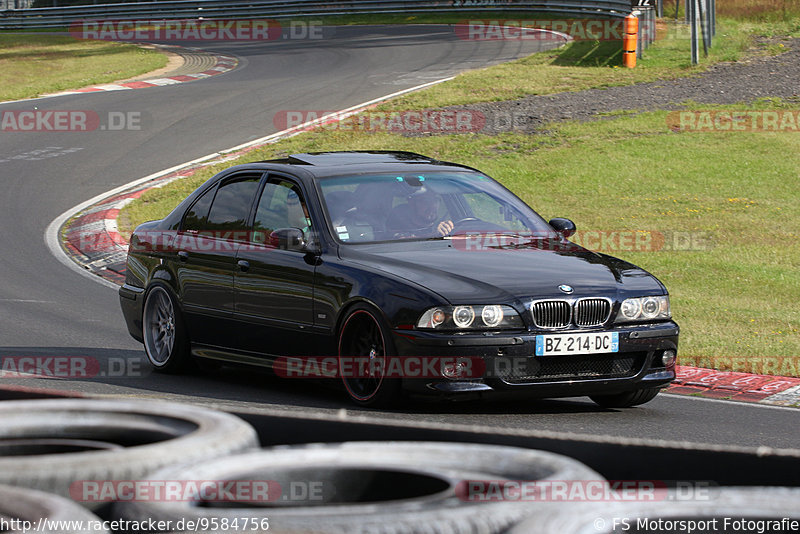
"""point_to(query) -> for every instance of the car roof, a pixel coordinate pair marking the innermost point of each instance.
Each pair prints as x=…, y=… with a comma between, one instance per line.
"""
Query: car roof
x=322, y=164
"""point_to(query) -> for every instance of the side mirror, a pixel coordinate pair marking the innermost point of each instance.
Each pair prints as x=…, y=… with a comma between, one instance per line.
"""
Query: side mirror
x=565, y=227
x=288, y=239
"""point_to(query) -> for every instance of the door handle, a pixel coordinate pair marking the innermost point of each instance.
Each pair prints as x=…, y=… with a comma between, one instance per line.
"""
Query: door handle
x=183, y=255
x=244, y=266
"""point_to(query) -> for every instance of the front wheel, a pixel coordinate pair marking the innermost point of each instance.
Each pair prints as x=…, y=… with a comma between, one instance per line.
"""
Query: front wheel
x=165, y=340
x=365, y=349
x=627, y=399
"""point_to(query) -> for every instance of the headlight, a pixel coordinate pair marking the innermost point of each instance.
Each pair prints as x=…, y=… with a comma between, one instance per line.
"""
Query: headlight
x=630, y=309
x=644, y=309
x=463, y=316
x=470, y=318
x=492, y=315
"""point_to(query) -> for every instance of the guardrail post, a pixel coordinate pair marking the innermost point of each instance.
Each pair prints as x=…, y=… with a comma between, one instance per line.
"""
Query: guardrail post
x=714, y=17
x=629, y=41
x=693, y=19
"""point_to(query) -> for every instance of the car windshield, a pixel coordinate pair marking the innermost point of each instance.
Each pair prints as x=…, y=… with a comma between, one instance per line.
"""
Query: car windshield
x=392, y=207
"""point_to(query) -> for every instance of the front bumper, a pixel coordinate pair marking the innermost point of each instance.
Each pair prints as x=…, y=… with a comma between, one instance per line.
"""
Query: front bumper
x=507, y=362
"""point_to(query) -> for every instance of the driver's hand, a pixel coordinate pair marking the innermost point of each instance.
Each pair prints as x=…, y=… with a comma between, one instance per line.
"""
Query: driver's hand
x=445, y=227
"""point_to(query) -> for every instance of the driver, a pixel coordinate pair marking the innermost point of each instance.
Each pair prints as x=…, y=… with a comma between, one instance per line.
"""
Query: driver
x=425, y=206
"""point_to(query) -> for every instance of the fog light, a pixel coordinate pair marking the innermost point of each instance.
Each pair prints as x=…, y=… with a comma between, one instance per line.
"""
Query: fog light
x=456, y=369
x=668, y=359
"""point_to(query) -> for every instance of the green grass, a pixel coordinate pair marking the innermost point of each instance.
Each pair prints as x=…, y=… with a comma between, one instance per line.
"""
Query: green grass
x=33, y=64
x=764, y=10
x=745, y=10
x=593, y=64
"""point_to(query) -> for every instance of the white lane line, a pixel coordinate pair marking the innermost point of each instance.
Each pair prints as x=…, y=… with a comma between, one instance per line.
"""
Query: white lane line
x=731, y=401
x=51, y=237
x=51, y=233
x=343, y=114
x=29, y=301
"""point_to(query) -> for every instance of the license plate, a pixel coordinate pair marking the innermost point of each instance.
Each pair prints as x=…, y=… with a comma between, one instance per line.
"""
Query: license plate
x=590, y=343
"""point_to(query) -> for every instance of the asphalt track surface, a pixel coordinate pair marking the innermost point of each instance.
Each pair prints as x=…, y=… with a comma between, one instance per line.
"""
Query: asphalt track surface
x=49, y=310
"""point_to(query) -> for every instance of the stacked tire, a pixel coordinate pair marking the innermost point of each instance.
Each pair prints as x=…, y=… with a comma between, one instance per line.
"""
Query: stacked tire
x=64, y=446
x=61, y=445
x=374, y=487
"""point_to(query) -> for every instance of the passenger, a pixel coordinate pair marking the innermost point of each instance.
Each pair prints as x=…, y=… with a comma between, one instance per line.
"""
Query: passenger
x=367, y=220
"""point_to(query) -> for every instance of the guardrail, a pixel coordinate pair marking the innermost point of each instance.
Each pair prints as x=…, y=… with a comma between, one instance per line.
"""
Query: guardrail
x=54, y=17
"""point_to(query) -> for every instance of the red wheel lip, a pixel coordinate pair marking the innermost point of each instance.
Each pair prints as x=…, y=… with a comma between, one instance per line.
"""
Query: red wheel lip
x=383, y=341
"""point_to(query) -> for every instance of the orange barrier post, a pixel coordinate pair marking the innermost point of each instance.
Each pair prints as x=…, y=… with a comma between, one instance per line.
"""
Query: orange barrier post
x=629, y=41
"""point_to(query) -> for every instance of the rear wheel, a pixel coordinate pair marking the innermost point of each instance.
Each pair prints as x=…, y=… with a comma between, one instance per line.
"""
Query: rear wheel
x=165, y=341
x=627, y=399
x=364, y=353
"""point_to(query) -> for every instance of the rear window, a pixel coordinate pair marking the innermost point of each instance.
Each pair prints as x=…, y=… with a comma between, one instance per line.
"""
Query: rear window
x=231, y=207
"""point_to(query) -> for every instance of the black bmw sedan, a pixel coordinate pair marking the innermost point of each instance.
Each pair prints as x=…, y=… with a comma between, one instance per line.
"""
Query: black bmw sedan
x=391, y=272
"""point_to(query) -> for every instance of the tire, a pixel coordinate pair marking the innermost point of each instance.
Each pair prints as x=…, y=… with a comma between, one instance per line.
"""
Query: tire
x=122, y=440
x=30, y=505
x=737, y=503
x=364, y=334
x=368, y=487
x=166, y=342
x=627, y=399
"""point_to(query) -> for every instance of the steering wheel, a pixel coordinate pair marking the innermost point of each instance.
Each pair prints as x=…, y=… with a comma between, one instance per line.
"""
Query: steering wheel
x=463, y=224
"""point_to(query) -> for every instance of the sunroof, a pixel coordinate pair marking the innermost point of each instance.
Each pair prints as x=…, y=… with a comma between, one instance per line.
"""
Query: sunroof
x=359, y=157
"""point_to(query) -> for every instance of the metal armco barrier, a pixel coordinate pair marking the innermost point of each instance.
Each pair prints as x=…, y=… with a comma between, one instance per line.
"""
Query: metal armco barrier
x=211, y=9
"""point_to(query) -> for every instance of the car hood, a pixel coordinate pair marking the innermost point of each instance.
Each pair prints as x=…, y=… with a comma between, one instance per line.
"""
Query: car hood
x=506, y=275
